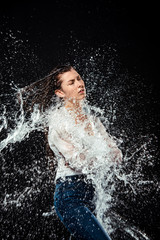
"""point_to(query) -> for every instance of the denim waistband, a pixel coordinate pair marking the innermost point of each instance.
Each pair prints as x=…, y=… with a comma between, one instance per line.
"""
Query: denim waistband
x=72, y=178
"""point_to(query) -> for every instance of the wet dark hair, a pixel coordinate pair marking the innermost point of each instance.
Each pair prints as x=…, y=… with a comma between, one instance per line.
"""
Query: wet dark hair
x=41, y=93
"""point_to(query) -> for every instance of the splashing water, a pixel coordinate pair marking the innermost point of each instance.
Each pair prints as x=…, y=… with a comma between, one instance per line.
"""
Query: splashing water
x=123, y=191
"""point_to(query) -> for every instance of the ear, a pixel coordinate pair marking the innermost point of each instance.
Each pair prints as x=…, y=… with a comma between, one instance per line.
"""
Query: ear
x=59, y=93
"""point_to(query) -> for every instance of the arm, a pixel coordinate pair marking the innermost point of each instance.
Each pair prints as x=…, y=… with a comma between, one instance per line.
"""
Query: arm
x=114, y=150
x=75, y=158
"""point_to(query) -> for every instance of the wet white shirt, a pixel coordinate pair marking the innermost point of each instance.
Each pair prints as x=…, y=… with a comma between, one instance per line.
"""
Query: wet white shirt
x=75, y=147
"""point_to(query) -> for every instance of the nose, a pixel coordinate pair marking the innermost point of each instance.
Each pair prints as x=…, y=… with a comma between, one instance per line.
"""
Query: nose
x=80, y=83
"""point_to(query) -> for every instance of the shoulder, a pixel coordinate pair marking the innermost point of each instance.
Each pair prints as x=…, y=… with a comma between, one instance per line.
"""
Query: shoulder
x=55, y=113
x=57, y=119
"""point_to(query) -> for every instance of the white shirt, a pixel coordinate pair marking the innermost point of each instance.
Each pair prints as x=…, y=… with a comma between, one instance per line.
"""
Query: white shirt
x=74, y=147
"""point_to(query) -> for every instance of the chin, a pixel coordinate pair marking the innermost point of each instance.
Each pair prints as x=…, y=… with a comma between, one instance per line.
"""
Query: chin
x=82, y=97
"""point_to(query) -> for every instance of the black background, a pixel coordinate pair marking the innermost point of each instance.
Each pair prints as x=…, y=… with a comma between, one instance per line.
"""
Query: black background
x=131, y=25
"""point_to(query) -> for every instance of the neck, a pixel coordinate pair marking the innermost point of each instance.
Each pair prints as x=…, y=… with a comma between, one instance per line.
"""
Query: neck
x=74, y=105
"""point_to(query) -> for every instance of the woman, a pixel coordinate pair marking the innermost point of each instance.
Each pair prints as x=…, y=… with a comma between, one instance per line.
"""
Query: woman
x=72, y=136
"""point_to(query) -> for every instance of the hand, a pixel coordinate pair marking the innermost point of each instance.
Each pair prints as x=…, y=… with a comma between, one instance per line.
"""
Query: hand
x=116, y=155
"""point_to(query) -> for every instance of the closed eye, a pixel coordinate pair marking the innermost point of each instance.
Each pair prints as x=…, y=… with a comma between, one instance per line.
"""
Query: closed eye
x=71, y=82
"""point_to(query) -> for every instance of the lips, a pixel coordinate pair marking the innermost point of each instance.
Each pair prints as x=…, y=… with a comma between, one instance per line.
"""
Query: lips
x=82, y=90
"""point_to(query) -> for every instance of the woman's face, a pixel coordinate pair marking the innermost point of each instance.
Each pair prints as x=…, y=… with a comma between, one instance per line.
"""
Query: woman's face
x=72, y=86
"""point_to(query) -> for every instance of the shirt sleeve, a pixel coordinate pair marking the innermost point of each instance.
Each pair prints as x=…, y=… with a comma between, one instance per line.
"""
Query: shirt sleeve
x=107, y=137
x=115, y=152
x=74, y=156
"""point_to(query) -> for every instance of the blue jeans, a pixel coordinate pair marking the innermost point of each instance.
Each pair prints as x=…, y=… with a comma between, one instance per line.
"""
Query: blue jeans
x=73, y=204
